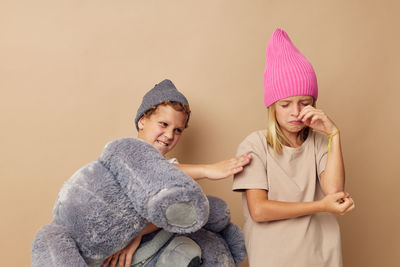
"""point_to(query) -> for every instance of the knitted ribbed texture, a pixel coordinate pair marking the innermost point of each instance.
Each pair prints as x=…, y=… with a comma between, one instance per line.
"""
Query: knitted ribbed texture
x=287, y=72
x=164, y=91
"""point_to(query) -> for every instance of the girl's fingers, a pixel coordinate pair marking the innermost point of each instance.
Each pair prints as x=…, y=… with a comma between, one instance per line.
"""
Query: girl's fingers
x=340, y=195
x=311, y=116
x=348, y=205
x=352, y=206
x=308, y=116
x=315, y=118
x=308, y=109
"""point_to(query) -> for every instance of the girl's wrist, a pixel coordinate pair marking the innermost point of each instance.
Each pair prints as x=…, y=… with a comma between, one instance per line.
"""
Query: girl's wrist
x=333, y=132
x=330, y=137
x=320, y=205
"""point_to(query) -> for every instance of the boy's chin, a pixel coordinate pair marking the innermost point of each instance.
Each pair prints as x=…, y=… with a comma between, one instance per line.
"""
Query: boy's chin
x=162, y=149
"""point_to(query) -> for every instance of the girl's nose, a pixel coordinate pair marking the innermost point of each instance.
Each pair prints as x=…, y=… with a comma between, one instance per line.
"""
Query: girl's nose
x=296, y=110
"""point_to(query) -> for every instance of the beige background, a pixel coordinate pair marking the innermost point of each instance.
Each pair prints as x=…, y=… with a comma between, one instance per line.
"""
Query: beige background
x=72, y=75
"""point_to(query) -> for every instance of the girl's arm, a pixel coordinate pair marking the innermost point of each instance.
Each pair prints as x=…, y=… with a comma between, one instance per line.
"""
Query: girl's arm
x=217, y=170
x=263, y=210
x=332, y=178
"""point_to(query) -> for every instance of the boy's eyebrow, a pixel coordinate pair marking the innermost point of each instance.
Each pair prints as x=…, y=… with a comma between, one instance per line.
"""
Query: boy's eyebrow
x=166, y=121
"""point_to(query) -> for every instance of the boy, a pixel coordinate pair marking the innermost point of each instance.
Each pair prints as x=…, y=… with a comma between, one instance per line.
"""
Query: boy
x=161, y=119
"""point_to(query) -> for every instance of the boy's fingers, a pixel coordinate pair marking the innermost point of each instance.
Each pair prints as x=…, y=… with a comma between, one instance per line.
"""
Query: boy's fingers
x=107, y=261
x=240, y=161
x=121, y=260
x=114, y=261
x=236, y=170
x=128, y=260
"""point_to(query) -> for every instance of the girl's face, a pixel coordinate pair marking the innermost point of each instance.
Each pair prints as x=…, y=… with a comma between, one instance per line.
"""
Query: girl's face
x=287, y=111
x=163, y=128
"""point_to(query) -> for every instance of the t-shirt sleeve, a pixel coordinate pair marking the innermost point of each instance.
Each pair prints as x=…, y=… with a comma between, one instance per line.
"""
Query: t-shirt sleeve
x=321, y=154
x=173, y=161
x=254, y=175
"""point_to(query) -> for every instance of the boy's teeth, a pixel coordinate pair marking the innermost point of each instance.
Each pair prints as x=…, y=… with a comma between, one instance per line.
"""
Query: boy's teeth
x=161, y=142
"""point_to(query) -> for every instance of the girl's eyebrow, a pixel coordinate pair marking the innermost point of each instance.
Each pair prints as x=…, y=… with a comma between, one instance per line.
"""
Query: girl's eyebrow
x=306, y=99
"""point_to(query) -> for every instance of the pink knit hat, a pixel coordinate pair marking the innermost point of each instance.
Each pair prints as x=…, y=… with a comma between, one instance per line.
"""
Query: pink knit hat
x=287, y=72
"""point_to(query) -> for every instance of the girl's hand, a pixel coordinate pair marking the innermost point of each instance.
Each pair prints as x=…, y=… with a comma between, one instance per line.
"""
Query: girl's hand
x=226, y=168
x=124, y=257
x=338, y=203
x=317, y=120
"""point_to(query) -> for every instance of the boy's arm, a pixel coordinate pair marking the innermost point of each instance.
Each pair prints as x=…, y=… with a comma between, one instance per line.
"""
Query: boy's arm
x=125, y=256
x=215, y=171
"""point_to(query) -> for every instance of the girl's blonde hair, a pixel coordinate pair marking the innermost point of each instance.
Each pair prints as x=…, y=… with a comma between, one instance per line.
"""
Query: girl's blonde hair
x=275, y=137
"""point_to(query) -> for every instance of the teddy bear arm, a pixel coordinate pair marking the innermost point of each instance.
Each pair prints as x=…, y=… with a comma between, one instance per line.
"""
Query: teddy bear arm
x=53, y=247
x=160, y=192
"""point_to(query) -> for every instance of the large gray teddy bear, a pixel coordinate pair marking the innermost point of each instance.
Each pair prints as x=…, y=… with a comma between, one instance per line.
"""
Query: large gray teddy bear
x=108, y=202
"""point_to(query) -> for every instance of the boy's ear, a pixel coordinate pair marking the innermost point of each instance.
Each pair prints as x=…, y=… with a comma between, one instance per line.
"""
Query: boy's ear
x=141, y=123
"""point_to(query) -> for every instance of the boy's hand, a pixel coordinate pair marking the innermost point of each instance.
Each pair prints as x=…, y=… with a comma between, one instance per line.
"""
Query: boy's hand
x=124, y=257
x=338, y=203
x=226, y=168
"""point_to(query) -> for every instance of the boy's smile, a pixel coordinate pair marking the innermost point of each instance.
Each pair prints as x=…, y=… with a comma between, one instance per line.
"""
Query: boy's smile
x=163, y=128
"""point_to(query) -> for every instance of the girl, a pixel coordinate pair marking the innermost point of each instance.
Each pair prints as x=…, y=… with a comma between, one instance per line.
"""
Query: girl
x=295, y=182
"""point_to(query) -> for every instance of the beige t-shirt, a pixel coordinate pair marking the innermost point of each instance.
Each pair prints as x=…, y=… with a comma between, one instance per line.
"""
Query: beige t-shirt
x=292, y=176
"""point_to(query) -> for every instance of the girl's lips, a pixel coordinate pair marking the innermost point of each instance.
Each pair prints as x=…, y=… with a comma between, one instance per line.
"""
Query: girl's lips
x=296, y=122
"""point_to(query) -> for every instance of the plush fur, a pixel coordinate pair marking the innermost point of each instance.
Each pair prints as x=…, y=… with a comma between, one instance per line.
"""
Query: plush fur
x=108, y=202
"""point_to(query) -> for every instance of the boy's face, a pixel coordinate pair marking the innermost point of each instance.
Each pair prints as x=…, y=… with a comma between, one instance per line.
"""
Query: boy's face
x=163, y=128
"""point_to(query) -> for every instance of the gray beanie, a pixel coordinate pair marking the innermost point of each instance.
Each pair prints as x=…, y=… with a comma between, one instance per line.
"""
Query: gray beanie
x=164, y=91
